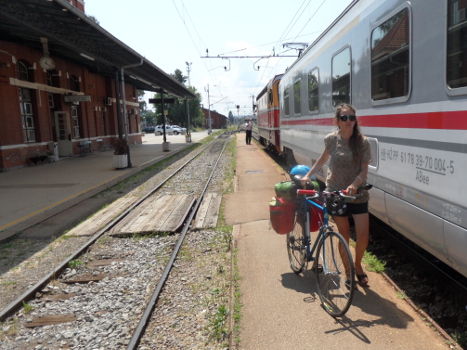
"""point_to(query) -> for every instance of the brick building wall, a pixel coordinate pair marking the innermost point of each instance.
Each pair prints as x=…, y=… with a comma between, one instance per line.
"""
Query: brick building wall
x=96, y=121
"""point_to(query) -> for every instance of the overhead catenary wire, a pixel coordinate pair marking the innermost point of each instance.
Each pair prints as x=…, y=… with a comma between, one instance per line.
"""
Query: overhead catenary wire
x=210, y=66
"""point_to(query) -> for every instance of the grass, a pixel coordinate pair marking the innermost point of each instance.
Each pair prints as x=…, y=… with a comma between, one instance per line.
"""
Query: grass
x=8, y=283
x=401, y=295
x=460, y=338
x=373, y=264
x=8, y=329
x=237, y=315
x=218, y=323
x=73, y=264
x=27, y=308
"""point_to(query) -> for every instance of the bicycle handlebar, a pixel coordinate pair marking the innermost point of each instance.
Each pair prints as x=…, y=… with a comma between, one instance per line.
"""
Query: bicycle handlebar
x=341, y=193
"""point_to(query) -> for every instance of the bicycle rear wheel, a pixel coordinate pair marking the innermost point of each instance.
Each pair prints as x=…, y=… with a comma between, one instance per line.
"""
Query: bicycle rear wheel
x=296, y=244
x=335, y=274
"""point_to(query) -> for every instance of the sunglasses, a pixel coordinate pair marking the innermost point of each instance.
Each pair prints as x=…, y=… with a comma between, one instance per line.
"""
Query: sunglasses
x=344, y=118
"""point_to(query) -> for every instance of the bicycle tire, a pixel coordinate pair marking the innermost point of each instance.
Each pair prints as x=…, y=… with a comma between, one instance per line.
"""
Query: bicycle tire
x=296, y=244
x=335, y=274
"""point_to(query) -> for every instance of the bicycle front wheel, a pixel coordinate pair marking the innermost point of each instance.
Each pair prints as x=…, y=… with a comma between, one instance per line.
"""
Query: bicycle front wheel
x=335, y=274
x=296, y=244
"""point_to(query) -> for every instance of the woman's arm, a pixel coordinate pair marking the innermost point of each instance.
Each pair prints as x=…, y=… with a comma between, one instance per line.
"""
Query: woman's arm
x=359, y=179
x=323, y=158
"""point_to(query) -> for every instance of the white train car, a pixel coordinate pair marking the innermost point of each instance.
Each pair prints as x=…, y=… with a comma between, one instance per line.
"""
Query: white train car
x=403, y=65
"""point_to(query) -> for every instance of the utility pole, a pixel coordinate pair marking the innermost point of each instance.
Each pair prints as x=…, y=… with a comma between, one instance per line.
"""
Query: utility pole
x=188, y=68
x=188, y=137
x=209, y=112
x=253, y=105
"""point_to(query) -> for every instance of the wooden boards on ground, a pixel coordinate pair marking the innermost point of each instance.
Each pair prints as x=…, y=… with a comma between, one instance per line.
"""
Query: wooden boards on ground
x=156, y=214
x=208, y=211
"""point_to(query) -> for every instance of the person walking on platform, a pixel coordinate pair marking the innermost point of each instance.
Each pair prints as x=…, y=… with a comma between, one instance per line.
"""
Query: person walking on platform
x=248, y=128
x=349, y=155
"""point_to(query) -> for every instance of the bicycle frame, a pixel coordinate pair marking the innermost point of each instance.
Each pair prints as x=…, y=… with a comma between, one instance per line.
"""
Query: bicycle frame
x=332, y=262
x=306, y=202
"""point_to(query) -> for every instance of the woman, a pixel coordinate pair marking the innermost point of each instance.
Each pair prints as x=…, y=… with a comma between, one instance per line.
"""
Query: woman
x=349, y=154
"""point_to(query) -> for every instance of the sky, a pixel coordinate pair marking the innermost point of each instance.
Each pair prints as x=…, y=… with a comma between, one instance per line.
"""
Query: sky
x=175, y=34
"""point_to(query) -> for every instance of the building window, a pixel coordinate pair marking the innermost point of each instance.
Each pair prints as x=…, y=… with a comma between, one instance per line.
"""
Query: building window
x=51, y=100
x=341, y=78
x=23, y=72
x=286, y=102
x=390, y=57
x=456, y=70
x=27, y=116
x=75, y=120
x=48, y=78
x=297, y=98
x=74, y=83
x=313, y=97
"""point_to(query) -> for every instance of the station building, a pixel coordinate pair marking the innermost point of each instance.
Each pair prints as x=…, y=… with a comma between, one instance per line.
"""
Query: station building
x=66, y=84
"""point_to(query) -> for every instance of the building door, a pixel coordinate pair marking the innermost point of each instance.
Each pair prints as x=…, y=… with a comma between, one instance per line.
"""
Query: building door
x=63, y=130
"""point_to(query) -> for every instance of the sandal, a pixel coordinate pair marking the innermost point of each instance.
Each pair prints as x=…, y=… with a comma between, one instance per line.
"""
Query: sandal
x=361, y=279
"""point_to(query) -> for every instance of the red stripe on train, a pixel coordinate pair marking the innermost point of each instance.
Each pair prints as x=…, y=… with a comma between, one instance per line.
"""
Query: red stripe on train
x=456, y=120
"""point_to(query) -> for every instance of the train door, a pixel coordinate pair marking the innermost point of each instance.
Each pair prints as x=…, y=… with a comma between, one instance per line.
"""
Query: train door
x=63, y=133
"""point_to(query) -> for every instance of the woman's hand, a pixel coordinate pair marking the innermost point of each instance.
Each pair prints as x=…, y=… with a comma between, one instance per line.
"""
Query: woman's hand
x=352, y=190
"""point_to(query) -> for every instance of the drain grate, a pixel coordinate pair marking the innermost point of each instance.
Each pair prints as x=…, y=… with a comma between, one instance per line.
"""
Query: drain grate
x=254, y=171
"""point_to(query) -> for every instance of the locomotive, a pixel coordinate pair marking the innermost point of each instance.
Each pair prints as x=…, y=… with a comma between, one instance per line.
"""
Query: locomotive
x=403, y=66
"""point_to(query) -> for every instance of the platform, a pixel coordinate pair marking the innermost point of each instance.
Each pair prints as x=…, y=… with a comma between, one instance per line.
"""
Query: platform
x=281, y=310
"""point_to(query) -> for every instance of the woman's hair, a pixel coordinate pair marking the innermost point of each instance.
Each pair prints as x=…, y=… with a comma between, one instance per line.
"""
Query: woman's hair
x=356, y=140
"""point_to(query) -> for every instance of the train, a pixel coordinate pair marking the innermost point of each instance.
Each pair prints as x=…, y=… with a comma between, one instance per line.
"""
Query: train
x=403, y=66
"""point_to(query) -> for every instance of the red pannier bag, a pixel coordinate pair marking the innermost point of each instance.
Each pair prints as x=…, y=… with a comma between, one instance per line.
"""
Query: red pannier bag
x=282, y=215
x=316, y=218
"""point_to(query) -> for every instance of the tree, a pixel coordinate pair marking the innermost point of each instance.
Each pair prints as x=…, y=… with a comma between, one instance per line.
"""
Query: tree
x=178, y=76
x=177, y=112
x=94, y=19
x=143, y=107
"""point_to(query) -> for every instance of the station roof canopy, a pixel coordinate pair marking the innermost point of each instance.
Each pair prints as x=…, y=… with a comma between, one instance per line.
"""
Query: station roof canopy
x=74, y=37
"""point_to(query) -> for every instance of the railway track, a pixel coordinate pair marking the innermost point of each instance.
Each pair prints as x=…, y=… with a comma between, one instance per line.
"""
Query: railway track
x=110, y=286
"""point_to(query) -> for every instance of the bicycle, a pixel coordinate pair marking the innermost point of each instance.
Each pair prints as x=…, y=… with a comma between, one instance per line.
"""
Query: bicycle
x=333, y=264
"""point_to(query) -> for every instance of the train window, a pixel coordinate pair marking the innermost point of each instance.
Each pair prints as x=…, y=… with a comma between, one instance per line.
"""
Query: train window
x=341, y=78
x=297, y=98
x=390, y=58
x=313, y=98
x=456, y=70
x=286, y=102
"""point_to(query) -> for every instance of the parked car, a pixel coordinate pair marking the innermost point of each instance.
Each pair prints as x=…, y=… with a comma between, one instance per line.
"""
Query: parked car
x=168, y=130
x=179, y=129
x=149, y=129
